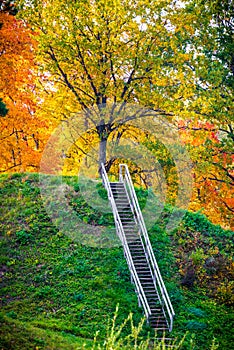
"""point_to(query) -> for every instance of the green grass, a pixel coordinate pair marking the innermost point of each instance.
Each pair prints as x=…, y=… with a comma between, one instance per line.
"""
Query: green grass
x=19, y=335
x=57, y=293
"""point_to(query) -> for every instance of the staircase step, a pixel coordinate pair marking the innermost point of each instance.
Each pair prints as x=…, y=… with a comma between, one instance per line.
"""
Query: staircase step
x=150, y=290
x=138, y=258
x=126, y=215
x=159, y=320
x=118, y=188
x=140, y=265
x=119, y=191
x=127, y=225
x=135, y=244
x=136, y=250
x=128, y=220
x=146, y=277
x=119, y=197
x=116, y=183
x=154, y=304
x=131, y=230
x=139, y=252
x=133, y=233
x=129, y=236
x=147, y=285
x=147, y=282
x=130, y=240
x=155, y=310
x=143, y=272
x=144, y=281
x=125, y=212
x=159, y=325
x=130, y=217
x=122, y=206
x=130, y=224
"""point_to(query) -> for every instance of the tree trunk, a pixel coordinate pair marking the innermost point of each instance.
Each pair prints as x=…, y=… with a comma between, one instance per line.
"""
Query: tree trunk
x=104, y=131
x=102, y=153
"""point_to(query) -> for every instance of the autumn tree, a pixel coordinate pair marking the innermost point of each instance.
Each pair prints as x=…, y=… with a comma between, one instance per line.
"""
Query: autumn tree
x=20, y=137
x=98, y=53
x=209, y=129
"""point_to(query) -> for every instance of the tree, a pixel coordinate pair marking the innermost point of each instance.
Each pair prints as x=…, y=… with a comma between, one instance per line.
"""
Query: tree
x=20, y=131
x=99, y=54
x=211, y=128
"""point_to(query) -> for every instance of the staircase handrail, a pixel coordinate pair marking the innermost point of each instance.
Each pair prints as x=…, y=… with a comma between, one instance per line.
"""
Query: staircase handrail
x=149, y=249
x=120, y=230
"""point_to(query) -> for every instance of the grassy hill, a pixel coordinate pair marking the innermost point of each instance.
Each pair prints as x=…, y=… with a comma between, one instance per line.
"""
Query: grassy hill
x=57, y=293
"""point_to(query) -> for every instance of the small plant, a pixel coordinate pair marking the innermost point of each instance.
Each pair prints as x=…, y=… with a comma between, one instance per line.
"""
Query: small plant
x=23, y=237
x=198, y=257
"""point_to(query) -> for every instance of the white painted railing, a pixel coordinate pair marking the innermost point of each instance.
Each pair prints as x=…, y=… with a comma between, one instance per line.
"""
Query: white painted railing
x=124, y=176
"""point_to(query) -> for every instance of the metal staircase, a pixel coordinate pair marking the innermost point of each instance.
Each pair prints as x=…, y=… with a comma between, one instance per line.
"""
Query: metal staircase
x=145, y=274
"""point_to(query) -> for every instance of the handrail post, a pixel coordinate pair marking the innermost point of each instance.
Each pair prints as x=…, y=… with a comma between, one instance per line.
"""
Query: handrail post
x=120, y=174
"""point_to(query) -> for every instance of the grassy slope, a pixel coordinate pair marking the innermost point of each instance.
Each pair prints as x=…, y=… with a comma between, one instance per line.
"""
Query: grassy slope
x=57, y=293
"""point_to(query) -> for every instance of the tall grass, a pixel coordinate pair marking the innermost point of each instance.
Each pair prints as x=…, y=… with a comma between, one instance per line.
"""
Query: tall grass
x=116, y=340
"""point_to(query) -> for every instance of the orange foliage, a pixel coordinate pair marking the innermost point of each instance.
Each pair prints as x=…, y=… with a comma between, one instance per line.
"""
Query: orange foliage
x=213, y=191
x=20, y=136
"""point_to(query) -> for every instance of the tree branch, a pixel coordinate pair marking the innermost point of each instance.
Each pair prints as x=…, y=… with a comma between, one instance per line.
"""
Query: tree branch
x=65, y=78
x=87, y=73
